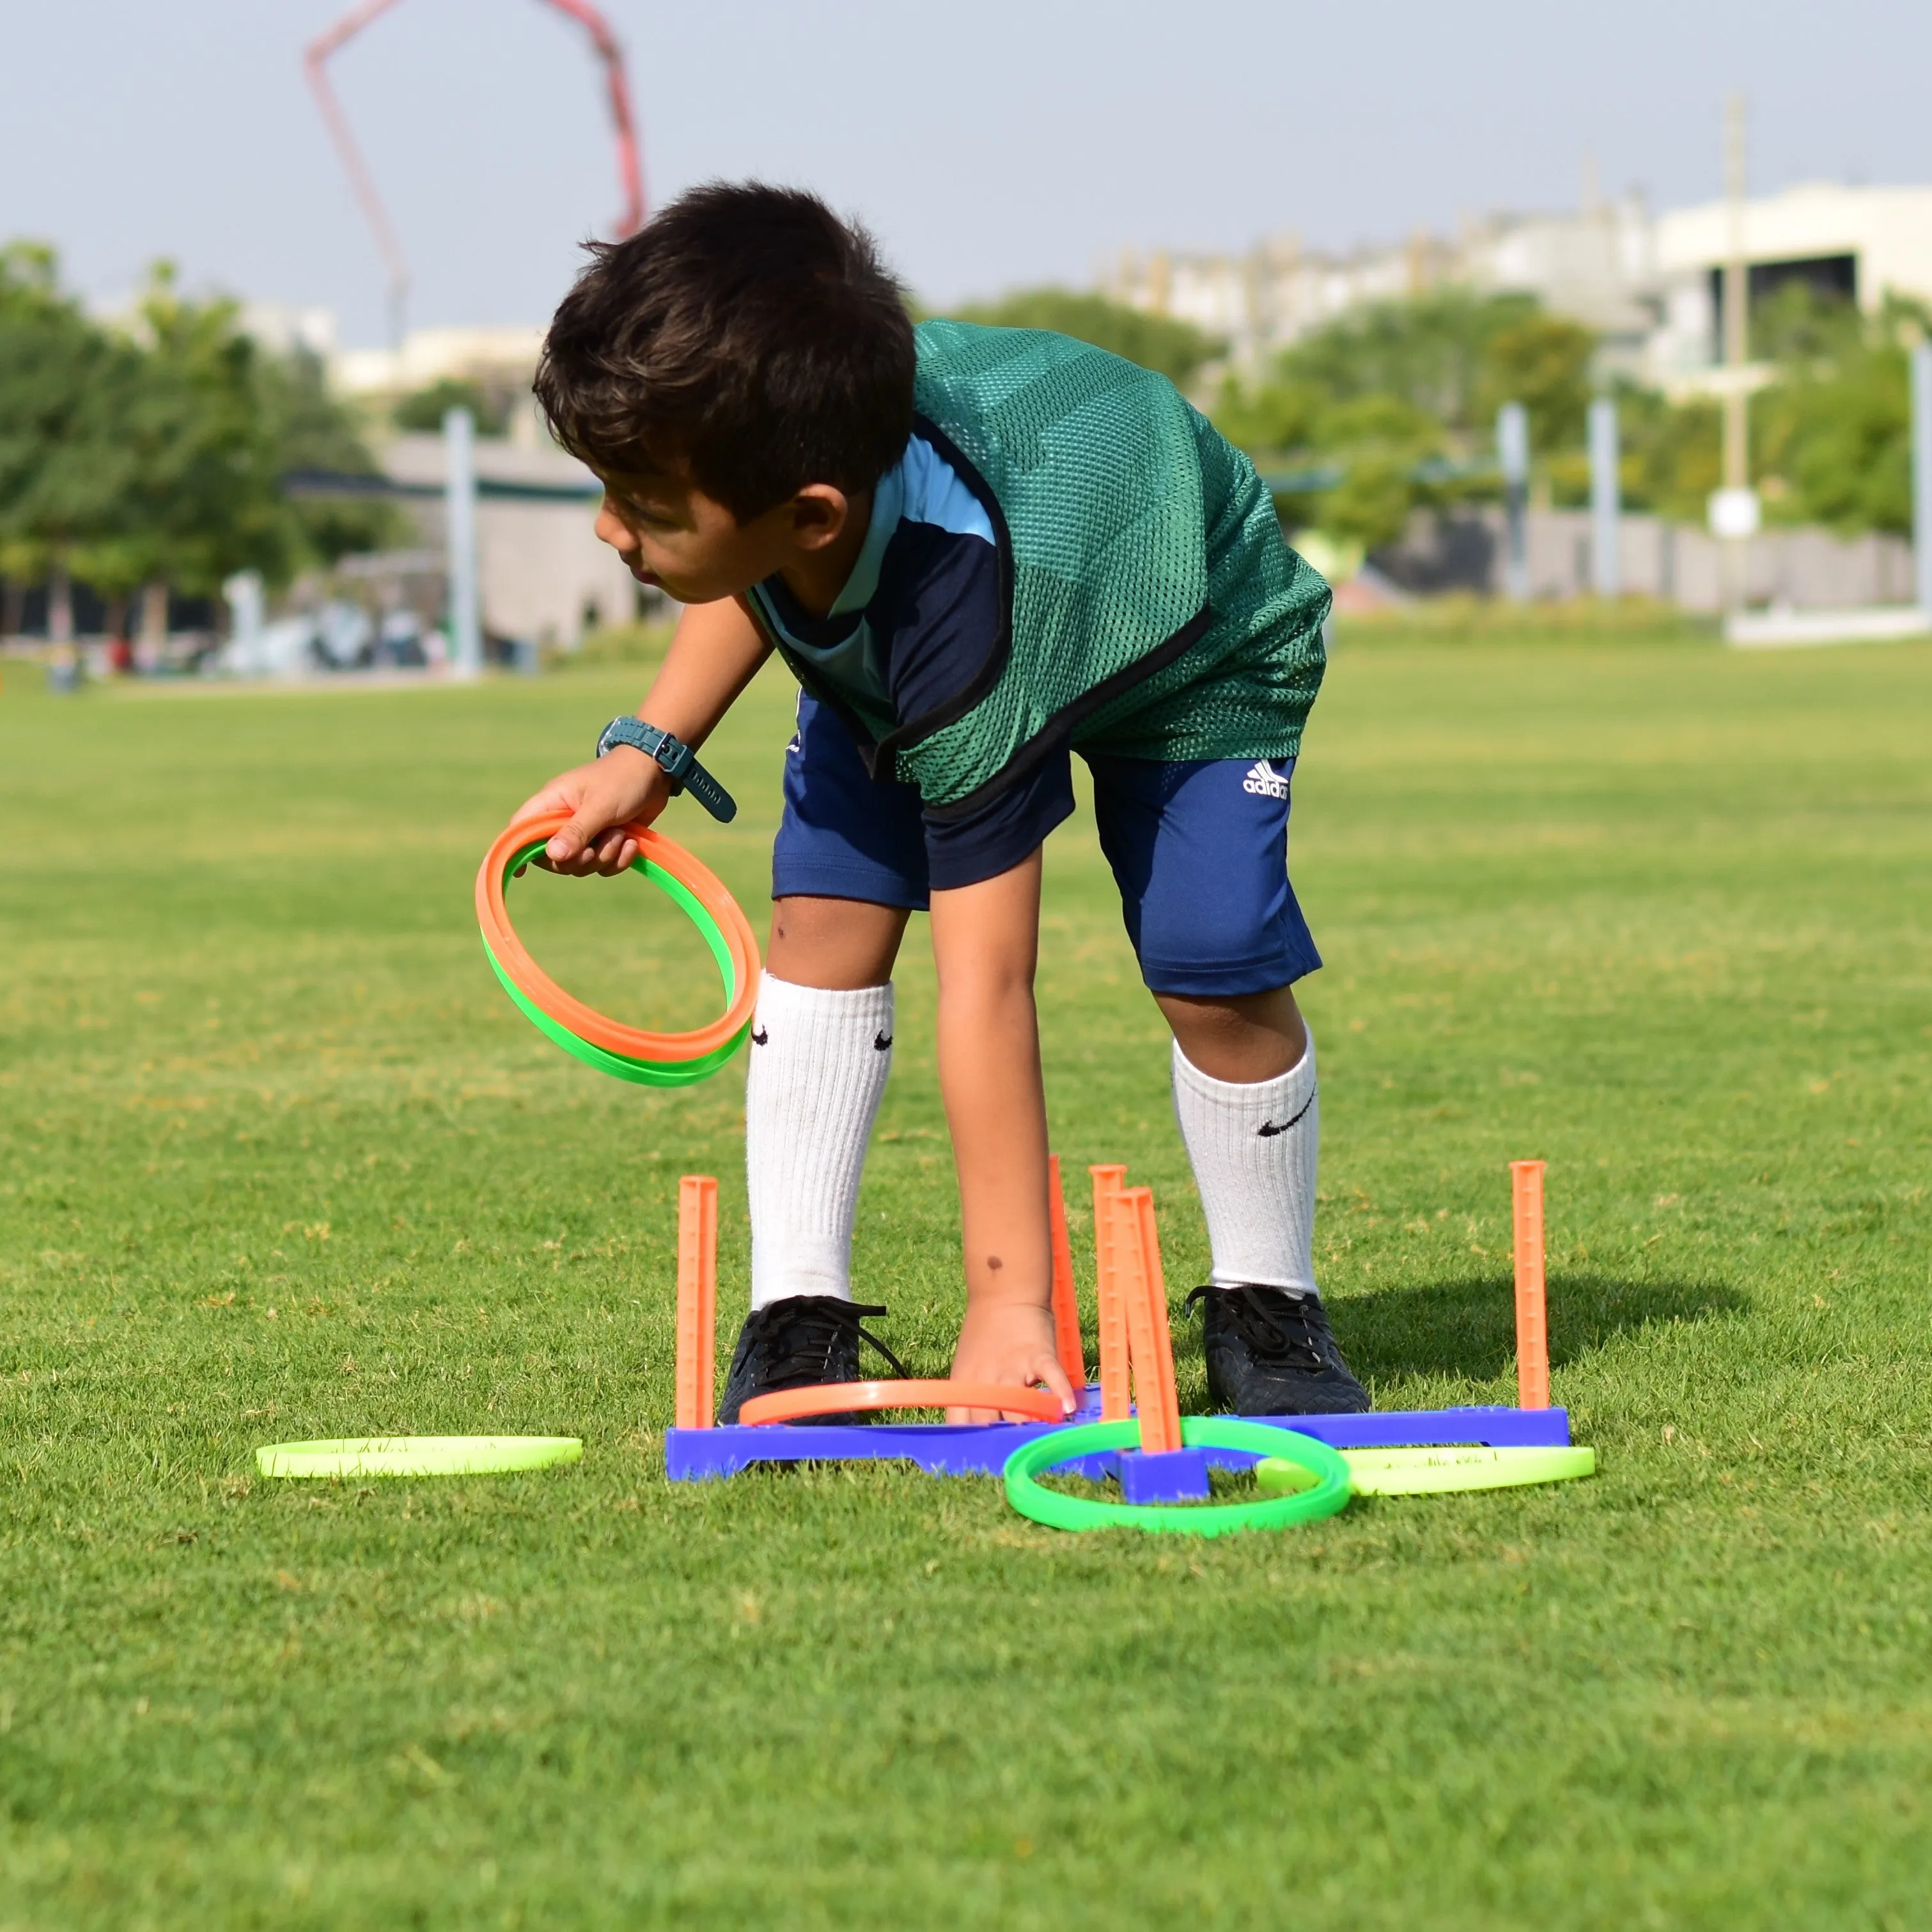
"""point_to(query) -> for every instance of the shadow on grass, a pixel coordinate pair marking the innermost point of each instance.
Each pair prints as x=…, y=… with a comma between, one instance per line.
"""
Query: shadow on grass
x=1468, y=1328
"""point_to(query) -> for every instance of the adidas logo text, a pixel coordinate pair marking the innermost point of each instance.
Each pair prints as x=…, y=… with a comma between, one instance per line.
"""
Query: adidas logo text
x=1264, y=783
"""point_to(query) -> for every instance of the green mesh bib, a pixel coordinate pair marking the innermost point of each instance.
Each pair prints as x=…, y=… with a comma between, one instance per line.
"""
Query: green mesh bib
x=1154, y=610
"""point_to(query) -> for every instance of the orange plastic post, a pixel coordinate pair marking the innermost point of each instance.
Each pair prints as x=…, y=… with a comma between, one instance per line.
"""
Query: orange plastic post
x=697, y=1299
x=1066, y=1309
x=1532, y=1314
x=1150, y=1347
x=1123, y=1241
x=1116, y=1404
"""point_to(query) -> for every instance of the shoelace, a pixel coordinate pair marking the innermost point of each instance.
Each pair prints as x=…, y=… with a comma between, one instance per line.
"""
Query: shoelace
x=803, y=1338
x=1282, y=1330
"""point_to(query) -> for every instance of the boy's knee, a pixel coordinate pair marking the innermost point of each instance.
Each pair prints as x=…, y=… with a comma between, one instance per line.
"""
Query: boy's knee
x=838, y=945
x=1242, y=1037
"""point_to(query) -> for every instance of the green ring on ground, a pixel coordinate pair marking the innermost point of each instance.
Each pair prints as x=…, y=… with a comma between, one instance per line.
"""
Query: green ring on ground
x=1329, y=1492
x=418, y=1455
x=620, y=1065
x=1449, y=1469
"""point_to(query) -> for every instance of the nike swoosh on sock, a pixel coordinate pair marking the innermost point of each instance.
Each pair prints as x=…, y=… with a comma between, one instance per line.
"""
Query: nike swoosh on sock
x=1267, y=1128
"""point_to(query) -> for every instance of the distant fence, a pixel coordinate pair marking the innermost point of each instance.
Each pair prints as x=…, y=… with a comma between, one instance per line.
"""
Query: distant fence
x=1806, y=569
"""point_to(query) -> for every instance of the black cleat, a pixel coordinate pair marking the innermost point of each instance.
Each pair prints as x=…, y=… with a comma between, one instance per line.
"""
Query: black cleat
x=799, y=1342
x=1270, y=1352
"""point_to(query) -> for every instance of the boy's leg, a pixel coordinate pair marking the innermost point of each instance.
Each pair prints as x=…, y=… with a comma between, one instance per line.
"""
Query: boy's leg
x=847, y=868
x=1200, y=852
x=821, y=1048
x=1246, y=1102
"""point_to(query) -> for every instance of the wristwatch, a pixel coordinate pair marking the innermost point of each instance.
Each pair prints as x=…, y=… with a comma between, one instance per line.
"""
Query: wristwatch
x=679, y=760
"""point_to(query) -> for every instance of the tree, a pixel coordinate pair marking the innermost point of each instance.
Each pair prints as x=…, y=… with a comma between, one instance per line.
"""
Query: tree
x=1381, y=444
x=425, y=409
x=1672, y=453
x=1169, y=346
x=1832, y=436
x=64, y=468
x=1270, y=419
x=201, y=498
x=1542, y=361
x=1397, y=396
x=1799, y=325
x=310, y=430
x=1444, y=354
x=155, y=455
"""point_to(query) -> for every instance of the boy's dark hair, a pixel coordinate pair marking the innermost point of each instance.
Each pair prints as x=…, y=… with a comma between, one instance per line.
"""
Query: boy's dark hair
x=745, y=333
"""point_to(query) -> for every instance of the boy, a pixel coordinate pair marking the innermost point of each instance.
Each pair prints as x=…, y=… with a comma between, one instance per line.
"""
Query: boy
x=978, y=549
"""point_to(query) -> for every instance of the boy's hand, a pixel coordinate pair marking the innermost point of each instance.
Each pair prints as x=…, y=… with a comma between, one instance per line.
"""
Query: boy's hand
x=620, y=788
x=1008, y=1342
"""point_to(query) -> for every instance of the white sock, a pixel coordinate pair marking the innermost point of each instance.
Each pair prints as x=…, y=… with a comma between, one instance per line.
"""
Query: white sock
x=819, y=1062
x=1254, y=1150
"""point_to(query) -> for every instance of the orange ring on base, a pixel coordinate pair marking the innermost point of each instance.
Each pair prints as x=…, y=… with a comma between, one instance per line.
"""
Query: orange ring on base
x=537, y=986
x=841, y=1398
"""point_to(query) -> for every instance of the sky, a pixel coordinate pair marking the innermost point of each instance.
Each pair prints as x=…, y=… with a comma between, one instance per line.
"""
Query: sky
x=991, y=146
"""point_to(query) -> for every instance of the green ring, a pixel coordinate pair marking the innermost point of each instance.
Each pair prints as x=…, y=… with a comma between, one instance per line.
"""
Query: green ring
x=1445, y=1469
x=1331, y=1491
x=622, y=1066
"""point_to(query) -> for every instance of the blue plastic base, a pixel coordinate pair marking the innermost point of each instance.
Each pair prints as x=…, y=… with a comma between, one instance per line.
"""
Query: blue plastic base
x=981, y=1449
x=1173, y=1476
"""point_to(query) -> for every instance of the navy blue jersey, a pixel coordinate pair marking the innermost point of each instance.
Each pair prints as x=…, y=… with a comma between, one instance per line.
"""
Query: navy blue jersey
x=920, y=615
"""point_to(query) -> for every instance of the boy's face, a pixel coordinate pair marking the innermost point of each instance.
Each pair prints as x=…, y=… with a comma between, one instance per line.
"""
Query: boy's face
x=670, y=534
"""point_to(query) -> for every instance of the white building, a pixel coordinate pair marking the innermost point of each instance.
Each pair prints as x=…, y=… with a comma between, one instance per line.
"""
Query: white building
x=492, y=358
x=542, y=575
x=1650, y=283
x=544, y=578
x=1858, y=242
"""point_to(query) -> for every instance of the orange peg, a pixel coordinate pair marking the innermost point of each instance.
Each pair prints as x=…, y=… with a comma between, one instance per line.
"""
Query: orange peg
x=1532, y=1313
x=1065, y=1309
x=1115, y=1403
x=1137, y=1247
x=697, y=1299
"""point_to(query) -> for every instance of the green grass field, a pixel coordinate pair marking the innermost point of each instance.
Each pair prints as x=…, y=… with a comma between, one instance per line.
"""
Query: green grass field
x=278, y=1159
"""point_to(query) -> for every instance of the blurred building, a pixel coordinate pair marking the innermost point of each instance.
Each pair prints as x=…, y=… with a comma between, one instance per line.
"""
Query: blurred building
x=542, y=576
x=1860, y=243
x=1649, y=284
x=499, y=362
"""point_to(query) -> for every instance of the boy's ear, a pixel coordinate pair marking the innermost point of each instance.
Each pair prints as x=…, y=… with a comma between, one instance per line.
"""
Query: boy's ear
x=820, y=514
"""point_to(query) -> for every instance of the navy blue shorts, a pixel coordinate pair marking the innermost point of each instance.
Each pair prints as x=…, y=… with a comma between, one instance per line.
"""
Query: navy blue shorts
x=1199, y=851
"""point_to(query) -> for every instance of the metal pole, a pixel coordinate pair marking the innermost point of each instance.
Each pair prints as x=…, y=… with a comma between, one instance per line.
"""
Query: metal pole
x=1922, y=475
x=1737, y=339
x=1605, y=503
x=466, y=633
x=1512, y=454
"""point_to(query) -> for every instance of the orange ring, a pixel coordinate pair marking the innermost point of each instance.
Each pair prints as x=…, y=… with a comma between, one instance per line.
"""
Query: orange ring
x=634, y=1042
x=841, y=1398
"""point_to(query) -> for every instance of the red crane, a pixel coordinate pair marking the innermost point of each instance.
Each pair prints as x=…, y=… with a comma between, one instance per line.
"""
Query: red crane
x=630, y=174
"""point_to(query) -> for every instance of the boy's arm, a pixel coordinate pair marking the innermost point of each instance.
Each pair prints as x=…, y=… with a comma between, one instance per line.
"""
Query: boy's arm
x=716, y=652
x=985, y=940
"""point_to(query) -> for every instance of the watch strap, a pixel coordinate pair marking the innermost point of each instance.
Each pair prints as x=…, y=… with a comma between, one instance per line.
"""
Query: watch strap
x=677, y=759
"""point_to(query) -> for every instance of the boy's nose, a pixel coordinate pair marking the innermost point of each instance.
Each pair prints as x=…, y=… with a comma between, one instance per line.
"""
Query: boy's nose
x=611, y=529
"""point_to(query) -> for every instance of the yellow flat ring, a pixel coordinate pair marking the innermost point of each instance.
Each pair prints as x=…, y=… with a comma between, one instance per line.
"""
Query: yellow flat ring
x=1447, y=1469
x=417, y=1456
